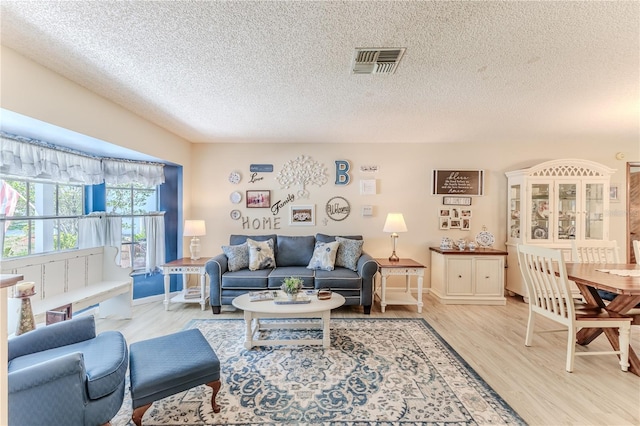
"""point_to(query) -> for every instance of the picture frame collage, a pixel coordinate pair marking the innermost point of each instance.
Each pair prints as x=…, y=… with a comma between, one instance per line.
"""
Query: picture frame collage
x=454, y=218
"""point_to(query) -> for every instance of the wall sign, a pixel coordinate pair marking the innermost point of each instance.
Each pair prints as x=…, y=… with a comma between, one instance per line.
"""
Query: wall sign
x=261, y=168
x=342, y=172
x=338, y=208
x=458, y=182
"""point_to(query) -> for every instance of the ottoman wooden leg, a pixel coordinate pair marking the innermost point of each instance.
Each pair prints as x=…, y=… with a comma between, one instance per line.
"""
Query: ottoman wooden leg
x=138, y=413
x=215, y=385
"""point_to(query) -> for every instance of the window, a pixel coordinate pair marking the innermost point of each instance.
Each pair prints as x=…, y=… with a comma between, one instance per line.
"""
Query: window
x=132, y=202
x=39, y=217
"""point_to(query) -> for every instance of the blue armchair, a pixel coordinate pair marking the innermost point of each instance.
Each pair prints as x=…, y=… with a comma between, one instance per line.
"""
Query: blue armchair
x=65, y=374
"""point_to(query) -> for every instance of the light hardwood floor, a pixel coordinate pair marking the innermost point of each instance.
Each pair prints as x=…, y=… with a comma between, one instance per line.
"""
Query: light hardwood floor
x=491, y=339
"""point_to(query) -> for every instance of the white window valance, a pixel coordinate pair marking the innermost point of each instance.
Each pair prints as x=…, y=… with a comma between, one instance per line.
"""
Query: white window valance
x=23, y=159
x=118, y=172
x=38, y=160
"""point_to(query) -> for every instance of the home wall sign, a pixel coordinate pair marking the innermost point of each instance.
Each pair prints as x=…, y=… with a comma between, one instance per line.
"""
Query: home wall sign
x=458, y=182
x=301, y=172
x=338, y=208
x=342, y=172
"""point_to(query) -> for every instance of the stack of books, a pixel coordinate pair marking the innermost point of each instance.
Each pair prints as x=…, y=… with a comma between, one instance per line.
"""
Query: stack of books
x=192, y=293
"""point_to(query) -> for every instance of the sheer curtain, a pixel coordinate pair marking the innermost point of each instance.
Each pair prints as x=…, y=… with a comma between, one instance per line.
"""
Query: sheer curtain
x=118, y=172
x=154, y=227
x=37, y=160
x=24, y=157
x=91, y=231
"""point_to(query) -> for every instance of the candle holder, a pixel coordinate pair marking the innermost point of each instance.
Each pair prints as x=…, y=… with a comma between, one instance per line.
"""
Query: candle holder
x=26, y=320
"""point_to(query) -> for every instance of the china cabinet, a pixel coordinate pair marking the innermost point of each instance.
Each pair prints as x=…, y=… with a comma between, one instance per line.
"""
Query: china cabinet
x=552, y=204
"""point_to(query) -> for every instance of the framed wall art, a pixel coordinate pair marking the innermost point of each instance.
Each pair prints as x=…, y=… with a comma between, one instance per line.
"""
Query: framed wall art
x=258, y=199
x=456, y=201
x=302, y=215
x=458, y=182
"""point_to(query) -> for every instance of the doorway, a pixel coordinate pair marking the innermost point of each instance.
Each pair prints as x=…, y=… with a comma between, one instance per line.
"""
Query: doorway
x=633, y=208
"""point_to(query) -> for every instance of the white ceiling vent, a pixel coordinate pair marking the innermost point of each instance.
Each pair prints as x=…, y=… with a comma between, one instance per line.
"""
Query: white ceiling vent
x=377, y=61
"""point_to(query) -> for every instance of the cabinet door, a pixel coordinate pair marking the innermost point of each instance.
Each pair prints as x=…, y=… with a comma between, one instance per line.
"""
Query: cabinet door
x=593, y=227
x=489, y=276
x=515, y=209
x=538, y=214
x=565, y=211
x=459, y=277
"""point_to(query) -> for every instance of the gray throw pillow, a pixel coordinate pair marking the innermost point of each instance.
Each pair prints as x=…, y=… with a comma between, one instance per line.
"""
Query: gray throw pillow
x=324, y=256
x=348, y=253
x=237, y=256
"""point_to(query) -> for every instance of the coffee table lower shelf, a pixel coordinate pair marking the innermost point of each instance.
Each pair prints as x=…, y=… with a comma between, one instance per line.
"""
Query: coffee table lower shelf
x=318, y=310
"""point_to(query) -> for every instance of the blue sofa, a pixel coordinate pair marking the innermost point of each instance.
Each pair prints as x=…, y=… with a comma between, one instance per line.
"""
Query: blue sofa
x=354, y=280
x=65, y=374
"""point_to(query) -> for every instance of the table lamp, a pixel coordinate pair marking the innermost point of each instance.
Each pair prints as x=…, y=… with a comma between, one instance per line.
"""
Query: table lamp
x=394, y=224
x=194, y=229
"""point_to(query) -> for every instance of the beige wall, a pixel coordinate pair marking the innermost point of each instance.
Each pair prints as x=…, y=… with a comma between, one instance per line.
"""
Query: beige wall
x=403, y=179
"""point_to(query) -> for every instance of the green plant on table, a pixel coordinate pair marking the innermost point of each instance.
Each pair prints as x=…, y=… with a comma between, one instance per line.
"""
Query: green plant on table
x=291, y=285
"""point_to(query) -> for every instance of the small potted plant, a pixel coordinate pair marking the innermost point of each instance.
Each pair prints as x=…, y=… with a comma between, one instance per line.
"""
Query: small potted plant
x=291, y=286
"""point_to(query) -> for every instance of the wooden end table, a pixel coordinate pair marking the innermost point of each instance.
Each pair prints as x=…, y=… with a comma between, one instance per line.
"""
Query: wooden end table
x=185, y=266
x=408, y=268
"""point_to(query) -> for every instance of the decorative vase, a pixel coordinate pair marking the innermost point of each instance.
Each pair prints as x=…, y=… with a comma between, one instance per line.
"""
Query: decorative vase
x=291, y=286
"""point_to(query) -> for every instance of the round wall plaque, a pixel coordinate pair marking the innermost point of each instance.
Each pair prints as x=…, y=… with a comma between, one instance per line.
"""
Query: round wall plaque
x=338, y=208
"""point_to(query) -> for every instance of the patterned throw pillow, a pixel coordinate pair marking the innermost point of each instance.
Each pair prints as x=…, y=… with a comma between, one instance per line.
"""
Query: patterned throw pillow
x=261, y=254
x=237, y=256
x=324, y=256
x=348, y=253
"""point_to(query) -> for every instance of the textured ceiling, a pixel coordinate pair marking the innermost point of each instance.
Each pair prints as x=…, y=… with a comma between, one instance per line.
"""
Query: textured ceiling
x=242, y=71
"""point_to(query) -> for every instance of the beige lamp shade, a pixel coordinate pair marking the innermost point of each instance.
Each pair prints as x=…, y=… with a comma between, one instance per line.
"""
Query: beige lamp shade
x=395, y=223
x=194, y=228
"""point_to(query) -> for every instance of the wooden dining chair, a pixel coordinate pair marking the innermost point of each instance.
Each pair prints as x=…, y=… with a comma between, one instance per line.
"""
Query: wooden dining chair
x=545, y=275
x=595, y=251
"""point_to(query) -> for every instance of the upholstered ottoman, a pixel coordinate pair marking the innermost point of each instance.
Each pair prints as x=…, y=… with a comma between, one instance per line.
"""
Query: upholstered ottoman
x=170, y=364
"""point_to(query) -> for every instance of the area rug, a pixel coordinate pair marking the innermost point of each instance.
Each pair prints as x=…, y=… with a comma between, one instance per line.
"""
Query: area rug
x=376, y=372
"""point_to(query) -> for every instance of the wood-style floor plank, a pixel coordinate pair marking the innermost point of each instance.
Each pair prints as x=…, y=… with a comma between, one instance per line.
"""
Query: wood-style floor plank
x=491, y=339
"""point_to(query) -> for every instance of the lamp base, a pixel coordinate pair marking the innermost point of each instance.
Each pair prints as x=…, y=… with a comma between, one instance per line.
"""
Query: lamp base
x=394, y=257
x=194, y=248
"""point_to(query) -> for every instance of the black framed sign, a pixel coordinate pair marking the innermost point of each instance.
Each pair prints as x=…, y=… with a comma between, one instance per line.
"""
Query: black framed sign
x=458, y=182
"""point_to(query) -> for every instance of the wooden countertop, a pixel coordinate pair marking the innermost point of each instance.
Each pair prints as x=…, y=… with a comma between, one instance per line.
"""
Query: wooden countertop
x=7, y=280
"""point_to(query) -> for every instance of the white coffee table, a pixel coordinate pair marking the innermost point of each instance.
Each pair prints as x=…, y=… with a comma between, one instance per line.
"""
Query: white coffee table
x=320, y=309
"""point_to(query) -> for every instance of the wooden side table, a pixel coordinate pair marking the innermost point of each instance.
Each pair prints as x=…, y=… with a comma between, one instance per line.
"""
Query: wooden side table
x=408, y=268
x=185, y=266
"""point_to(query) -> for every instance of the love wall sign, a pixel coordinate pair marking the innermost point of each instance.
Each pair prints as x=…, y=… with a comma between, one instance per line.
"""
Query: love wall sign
x=458, y=182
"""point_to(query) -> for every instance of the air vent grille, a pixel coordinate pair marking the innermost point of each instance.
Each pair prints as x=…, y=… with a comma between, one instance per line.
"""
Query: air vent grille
x=377, y=60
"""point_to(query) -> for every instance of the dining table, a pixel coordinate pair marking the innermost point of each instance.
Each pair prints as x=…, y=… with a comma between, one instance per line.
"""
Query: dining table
x=619, y=278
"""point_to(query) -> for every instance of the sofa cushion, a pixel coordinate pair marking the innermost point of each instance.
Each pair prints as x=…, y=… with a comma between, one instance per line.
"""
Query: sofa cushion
x=324, y=256
x=281, y=272
x=237, y=256
x=338, y=279
x=294, y=251
x=261, y=255
x=246, y=279
x=349, y=252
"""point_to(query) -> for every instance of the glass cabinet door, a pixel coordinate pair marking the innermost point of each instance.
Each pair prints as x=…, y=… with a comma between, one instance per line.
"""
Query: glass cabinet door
x=539, y=214
x=514, y=217
x=567, y=207
x=594, y=211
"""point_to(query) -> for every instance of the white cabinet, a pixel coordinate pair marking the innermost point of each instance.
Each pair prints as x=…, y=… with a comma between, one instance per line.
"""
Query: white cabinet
x=468, y=277
x=552, y=204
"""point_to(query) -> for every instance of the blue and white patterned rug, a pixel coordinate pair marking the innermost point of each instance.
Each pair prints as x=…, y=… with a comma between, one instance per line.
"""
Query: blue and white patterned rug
x=377, y=372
